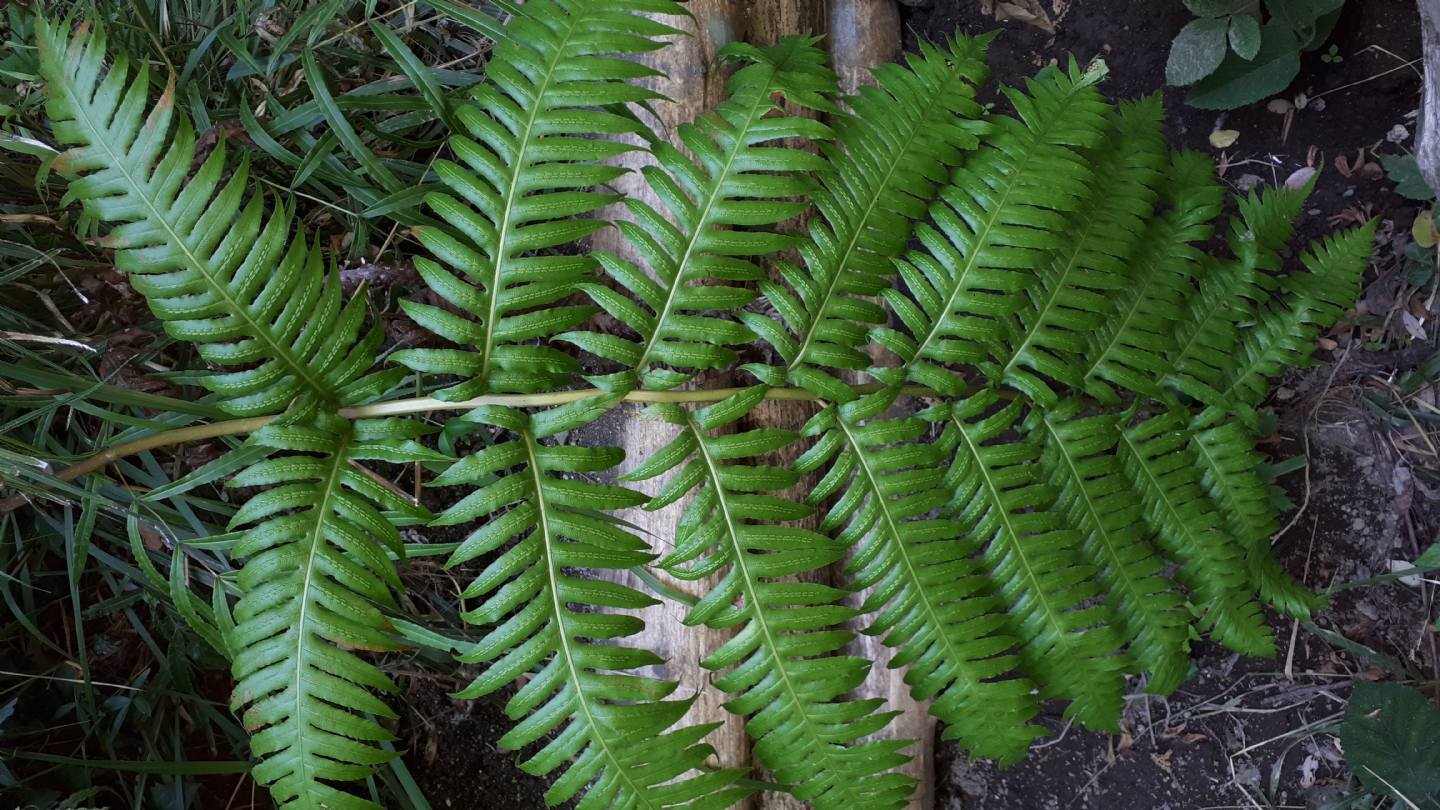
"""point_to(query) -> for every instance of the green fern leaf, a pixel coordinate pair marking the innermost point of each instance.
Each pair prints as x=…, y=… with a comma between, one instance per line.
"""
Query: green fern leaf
x=220, y=272
x=890, y=155
x=1002, y=211
x=527, y=185
x=735, y=179
x=1285, y=330
x=1228, y=462
x=609, y=729
x=313, y=588
x=1070, y=299
x=212, y=265
x=1098, y=500
x=784, y=672
x=1205, y=339
x=931, y=599
x=1160, y=464
x=1128, y=351
x=1034, y=558
x=1283, y=337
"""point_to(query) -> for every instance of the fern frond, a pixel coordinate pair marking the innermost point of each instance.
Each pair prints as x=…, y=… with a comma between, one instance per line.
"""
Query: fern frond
x=1205, y=339
x=1160, y=464
x=1033, y=557
x=1004, y=208
x=892, y=151
x=213, y=266
x=527, y=186
x=610, y=728
x=1128, y=351
x=314, y=583
x=1070, y=298
x=1283, y=337
x=931, y=598
x=218, y=271
x=1285, y=329
x=1096, y=498
x=1228, y=461
x=740, y=177
x=783, y=668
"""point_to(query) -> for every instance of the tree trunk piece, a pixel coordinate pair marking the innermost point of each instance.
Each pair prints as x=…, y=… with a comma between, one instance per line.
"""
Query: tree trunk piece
x=1427, y=141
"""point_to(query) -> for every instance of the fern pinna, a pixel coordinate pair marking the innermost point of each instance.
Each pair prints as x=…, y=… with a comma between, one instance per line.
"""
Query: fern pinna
x=1035, y=405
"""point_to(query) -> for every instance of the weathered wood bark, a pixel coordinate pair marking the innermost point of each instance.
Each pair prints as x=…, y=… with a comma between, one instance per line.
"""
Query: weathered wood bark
x=1427, y=141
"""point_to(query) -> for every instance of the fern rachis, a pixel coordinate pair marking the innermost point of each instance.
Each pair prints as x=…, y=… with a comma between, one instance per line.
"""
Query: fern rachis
x=1003, y=533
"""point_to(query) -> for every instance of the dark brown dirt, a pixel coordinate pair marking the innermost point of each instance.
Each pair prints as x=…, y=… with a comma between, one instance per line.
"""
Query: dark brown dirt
x=454, y=756
x=1243, y=732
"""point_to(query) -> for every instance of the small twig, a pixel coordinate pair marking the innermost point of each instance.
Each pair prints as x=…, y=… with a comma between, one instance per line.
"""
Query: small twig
x=1381, y=74
x=1295, y=624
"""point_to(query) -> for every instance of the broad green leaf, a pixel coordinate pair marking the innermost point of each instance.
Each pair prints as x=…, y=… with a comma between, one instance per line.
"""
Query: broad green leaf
x=1391, y=736
x=1197, y=51
x=1245, y=36
x=1238, y=82
x=1404, y=172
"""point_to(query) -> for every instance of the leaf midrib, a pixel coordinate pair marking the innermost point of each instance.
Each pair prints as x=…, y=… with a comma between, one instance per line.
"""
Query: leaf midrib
x=903, y=548
x=1052, y=295
x=1064, y=637
x=520, y=164
x=258, y=331
x=639, y=793
x=1242, y=373
x=1034, y=144
x=757, y=611
x=956, y=76
x=1148, y=281
x=302, y=633
x=703, y=224
x=1117, y=563
x=1176, y=519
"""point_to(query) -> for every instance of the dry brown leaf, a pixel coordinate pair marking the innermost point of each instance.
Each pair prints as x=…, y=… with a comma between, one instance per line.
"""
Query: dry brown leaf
x=152, y=539
x=1163, y=760
x=1029, y=12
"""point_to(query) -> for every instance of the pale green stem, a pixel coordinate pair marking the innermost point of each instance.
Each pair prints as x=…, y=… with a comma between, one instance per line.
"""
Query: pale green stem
x=211, y=430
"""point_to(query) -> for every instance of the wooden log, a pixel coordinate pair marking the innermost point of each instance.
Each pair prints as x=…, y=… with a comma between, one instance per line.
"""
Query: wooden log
x=1427, y=140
